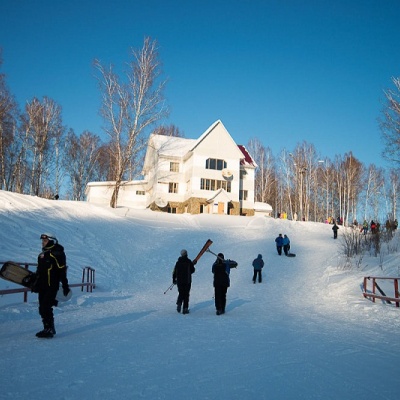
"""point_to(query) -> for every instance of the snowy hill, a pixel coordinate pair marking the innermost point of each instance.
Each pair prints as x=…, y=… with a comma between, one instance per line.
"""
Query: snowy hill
x=306, y=332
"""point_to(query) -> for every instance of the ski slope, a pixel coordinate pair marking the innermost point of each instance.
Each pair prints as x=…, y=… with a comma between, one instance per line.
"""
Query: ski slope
x=306, y=332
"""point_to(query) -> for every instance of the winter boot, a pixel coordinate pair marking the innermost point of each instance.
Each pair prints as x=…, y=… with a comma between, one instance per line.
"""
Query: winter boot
x=48, y=330
x=45, y=333
x=179, y=307
x=185, y=311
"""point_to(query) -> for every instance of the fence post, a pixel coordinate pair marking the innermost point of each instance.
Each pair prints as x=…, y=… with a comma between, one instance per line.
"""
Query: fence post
x=396, y=290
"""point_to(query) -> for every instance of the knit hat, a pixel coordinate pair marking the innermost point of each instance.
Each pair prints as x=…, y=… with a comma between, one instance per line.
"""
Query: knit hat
x=220, y=255
x=183, y=253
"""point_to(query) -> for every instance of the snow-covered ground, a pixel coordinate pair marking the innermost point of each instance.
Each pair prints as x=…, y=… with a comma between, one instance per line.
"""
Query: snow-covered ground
x=306, y=332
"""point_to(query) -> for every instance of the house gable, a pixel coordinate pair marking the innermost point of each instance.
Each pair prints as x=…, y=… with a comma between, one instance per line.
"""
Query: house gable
x=216, y=141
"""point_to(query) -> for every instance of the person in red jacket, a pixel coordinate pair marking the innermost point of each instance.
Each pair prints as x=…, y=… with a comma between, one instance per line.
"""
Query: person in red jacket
x=51, y=270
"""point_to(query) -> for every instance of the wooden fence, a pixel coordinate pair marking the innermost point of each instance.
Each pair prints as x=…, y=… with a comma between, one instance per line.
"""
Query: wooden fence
x=88, y=281
x=372, y=294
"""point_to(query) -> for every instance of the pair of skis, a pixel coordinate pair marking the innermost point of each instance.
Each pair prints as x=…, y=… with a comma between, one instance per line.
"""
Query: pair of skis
x=201, y=252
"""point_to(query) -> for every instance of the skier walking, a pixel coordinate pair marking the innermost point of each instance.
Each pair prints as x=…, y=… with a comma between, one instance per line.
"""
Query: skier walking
x=258, y=265
x=182, y=277
x=51, y=270
x=221, y=270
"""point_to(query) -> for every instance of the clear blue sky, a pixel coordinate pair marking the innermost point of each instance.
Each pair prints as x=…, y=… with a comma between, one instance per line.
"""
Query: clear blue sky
x=282, y=71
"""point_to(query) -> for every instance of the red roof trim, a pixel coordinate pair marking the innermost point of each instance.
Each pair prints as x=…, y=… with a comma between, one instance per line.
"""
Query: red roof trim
x=247, y=157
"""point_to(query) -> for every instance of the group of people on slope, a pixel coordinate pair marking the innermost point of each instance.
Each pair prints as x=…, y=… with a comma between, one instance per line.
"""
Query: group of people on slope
x=282, y=242
x=221, y=268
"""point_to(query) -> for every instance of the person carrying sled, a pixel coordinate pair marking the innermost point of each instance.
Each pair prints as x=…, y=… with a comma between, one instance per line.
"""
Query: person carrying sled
x=221, y=270
x=286, y=245
x=51, y=270
x=279, y=244
x=258, y=265
x=182, y=277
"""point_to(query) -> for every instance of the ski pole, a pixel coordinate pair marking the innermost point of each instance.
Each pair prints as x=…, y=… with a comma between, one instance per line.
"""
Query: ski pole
x=216, y=255
x=170, y=288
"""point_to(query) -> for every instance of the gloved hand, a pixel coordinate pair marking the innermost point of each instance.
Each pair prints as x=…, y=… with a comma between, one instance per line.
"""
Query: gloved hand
x=194, y=262
x=174, y=281
x=66, y=290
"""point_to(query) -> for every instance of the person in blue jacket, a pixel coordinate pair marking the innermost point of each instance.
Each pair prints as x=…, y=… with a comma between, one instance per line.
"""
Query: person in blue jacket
x=258, y=265
x=279, y=244
x=221, y=270
x=286, y=245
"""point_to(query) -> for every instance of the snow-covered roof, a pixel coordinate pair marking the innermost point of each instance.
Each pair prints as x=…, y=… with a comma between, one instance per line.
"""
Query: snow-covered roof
x=219, y=193
x=260, y=206
x=172, y=146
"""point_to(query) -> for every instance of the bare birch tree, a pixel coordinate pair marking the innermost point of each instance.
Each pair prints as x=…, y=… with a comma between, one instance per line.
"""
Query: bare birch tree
x=170, y=130
x=394, y=189
x=130, y=107
x=264, y=180
x=80, y=160
x=390, y=123
x=8, y=135
x=43, y=128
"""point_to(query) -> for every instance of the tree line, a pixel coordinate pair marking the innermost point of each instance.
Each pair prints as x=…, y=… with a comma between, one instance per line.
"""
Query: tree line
x=39, y=155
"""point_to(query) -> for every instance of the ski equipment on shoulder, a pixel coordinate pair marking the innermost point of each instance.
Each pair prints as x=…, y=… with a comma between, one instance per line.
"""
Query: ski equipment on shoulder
x=203, y=250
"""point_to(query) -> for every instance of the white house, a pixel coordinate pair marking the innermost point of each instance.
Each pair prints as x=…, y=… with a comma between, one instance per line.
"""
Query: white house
x=211, y=174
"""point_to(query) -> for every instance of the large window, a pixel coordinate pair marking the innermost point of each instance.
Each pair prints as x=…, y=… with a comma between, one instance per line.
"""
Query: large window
x=243, y=194
x=173, y=187
x=214, y=184
x=215, y=163
x=174, y=166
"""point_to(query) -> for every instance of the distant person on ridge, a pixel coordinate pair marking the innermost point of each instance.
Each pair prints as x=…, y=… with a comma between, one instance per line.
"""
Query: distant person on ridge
x=335, y=229
x=182, y=277
x=221, y=270
x=258, y=265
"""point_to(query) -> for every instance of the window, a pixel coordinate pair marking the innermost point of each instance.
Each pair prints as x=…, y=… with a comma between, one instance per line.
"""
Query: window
x=171, y=210
x=214, y=184
x=173, y=187
x=174, y=166
x=243, y=174
x=140, y=193
x=214, y=163
x=243, y=194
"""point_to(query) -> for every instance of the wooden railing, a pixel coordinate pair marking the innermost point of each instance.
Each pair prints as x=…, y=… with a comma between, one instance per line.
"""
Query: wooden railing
x=88, y=281
x=382, y=295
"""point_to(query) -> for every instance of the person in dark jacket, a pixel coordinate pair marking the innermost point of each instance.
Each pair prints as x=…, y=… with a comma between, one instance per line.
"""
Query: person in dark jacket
x=51, y=270
x=221, y=270
x=335, y=229
x=182, y=277
x=258, y=265
x=279, y=244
